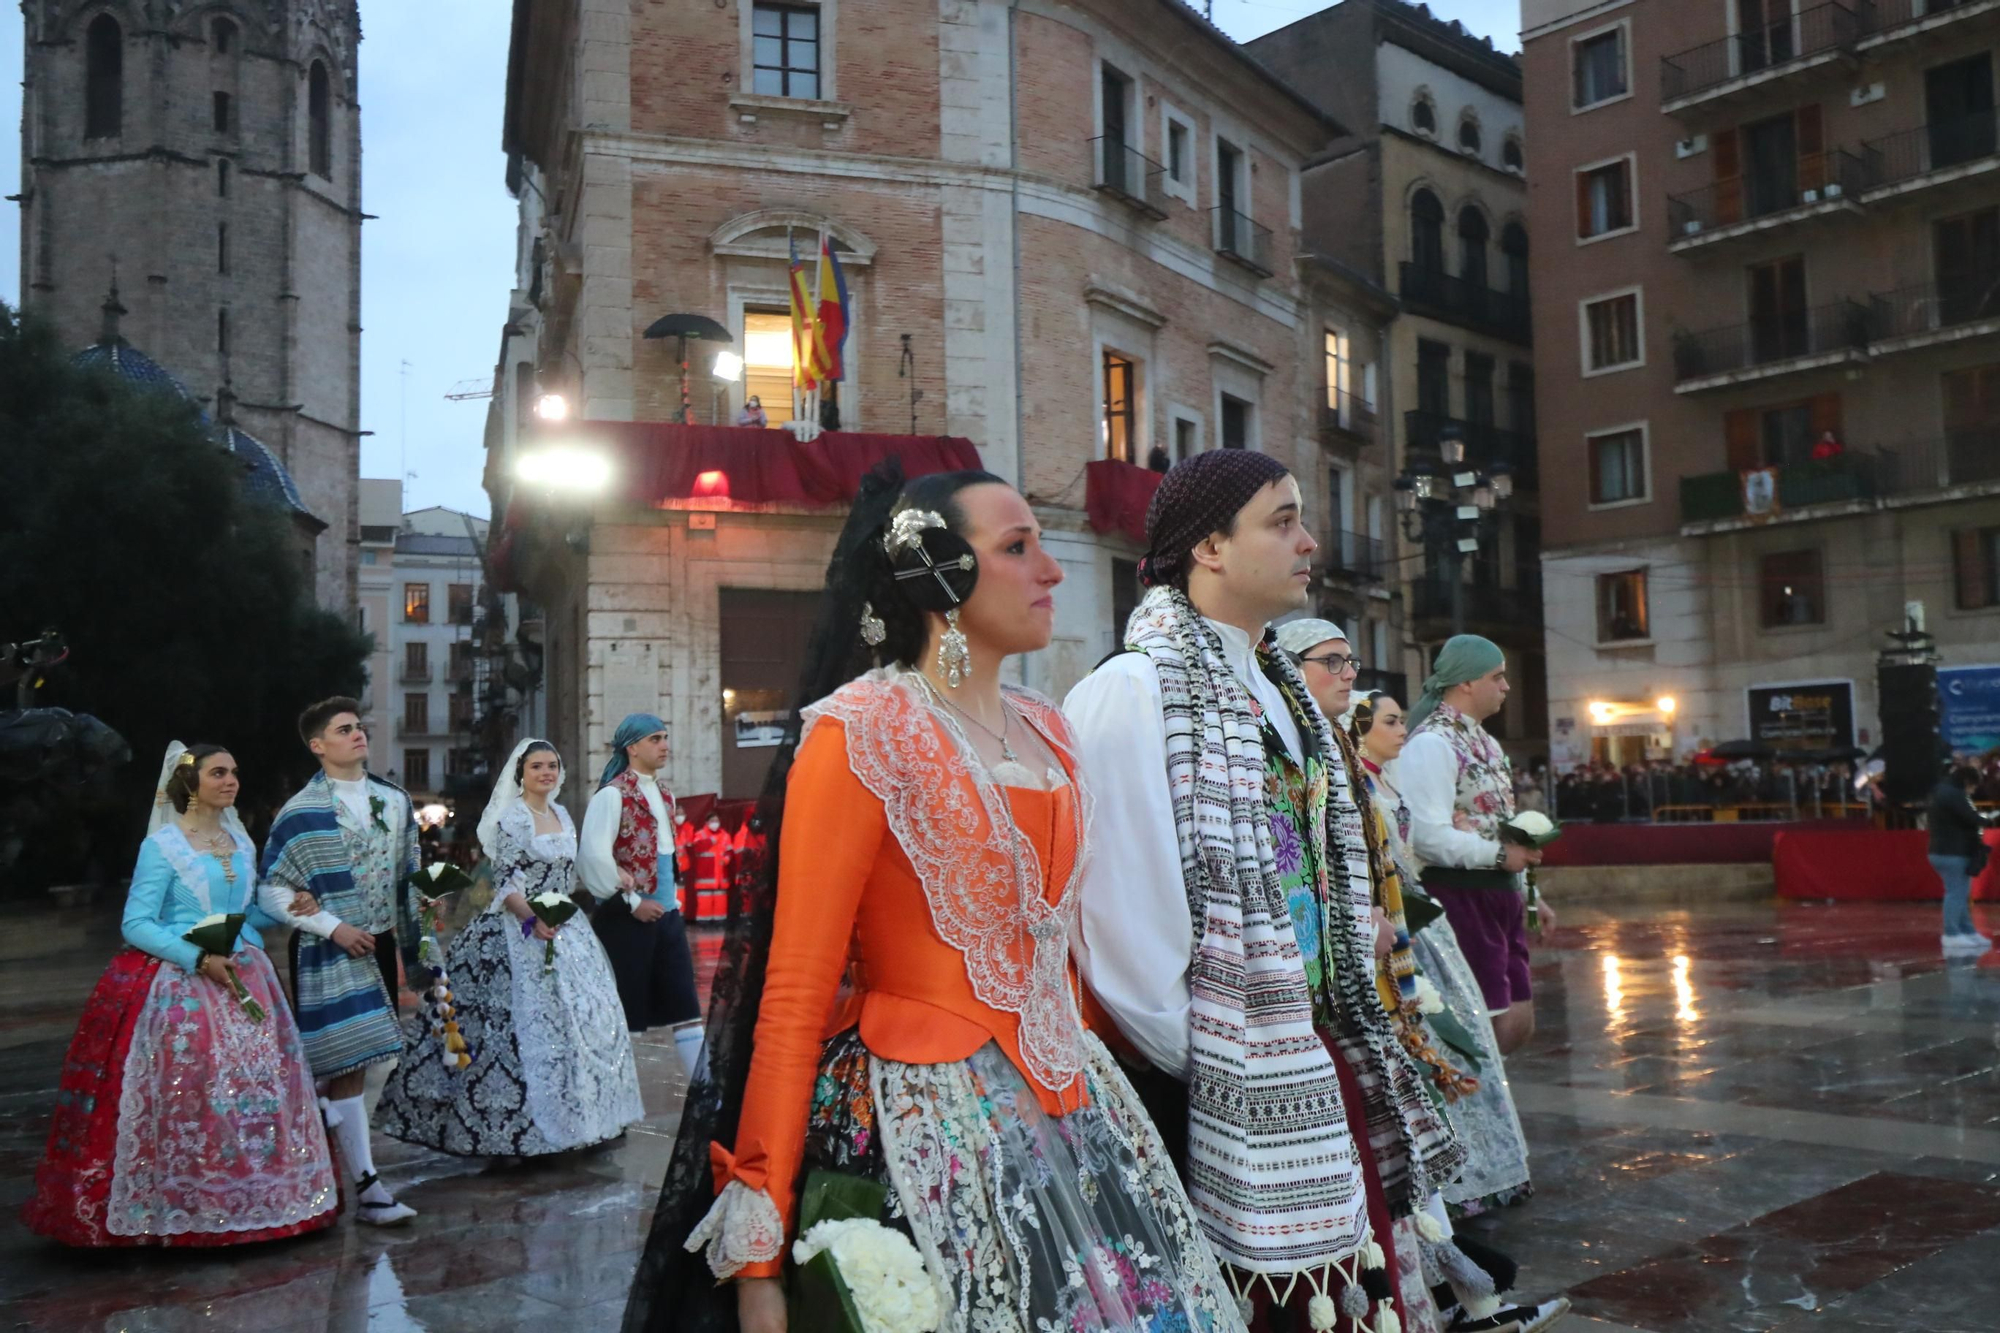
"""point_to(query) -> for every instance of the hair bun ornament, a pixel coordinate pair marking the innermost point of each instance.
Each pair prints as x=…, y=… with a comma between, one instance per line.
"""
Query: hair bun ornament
x=186, y=760
x=934, y=566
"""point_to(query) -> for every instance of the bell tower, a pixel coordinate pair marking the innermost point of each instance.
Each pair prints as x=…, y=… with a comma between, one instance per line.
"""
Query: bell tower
x=211, y=150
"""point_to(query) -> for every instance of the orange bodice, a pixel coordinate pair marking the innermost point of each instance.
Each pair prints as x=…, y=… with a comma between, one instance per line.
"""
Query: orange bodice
x=850, y=903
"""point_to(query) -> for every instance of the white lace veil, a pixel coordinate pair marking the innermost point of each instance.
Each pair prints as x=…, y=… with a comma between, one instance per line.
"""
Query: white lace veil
x=507, y=794
x=163, y=806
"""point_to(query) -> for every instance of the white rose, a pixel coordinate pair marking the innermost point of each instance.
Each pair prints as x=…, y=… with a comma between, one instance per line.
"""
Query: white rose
x=435, y=869
x=1429, y=1001
x=892, y=1290
x=1533, y=823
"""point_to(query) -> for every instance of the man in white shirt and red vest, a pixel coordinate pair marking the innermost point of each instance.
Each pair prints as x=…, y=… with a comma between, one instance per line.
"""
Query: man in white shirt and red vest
x=625, y=860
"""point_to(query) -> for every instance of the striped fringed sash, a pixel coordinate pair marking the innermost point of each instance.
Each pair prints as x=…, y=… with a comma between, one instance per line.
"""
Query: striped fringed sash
x=1272, y=1170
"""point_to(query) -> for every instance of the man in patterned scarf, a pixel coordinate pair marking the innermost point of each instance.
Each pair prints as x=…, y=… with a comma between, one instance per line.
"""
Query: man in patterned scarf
x=1231, y=938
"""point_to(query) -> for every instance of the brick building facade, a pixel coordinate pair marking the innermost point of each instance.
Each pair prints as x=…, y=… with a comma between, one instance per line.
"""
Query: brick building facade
x=1080, y=221
x=212, y=155
x=1767, y=319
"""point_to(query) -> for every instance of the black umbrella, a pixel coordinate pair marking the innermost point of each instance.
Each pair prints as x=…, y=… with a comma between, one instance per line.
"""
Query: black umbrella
x=699, y=327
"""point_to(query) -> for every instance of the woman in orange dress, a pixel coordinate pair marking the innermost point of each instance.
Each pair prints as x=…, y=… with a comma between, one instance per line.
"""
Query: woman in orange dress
x=896, y=1001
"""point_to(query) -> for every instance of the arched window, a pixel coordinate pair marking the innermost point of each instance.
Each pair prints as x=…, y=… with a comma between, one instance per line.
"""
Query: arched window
x=104, y=78
x=1427, y=231
x=222, y=37
x=1472, y=235
x=1514, y=245
x=1510, y=155
x=1424, y=116
x=319, y=118
x=1468, y=134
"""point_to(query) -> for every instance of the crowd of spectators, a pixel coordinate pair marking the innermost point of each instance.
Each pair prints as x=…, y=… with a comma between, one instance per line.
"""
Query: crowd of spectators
x=1664, y=792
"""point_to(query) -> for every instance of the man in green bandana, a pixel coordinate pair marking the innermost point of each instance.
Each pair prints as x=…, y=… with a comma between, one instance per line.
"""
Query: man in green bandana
x=1460, y=790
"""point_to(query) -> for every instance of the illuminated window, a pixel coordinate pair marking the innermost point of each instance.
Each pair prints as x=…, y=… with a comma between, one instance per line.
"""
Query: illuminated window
x=417, y=603
x=767, y=363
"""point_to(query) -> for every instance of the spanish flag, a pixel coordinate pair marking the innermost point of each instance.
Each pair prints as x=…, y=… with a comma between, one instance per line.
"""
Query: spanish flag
x=805, y=327
x=830, y=331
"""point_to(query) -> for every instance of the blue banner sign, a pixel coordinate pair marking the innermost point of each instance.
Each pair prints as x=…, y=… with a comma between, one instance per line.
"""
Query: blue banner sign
x=1969, y=707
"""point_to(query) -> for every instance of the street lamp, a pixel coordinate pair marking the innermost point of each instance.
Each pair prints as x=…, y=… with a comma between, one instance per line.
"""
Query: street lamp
x=1450, y=514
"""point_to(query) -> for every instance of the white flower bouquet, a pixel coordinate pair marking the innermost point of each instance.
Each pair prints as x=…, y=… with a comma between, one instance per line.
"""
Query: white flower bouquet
x=217, y=935
x=1532, y=828
x=551, y=909
x=865, y=1278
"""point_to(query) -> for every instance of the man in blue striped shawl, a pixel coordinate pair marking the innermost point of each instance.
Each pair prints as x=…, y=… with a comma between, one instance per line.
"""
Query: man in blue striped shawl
x=350, y=840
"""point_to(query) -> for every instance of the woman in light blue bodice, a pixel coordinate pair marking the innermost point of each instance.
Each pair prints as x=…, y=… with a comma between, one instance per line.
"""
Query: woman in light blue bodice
x=186, y=1114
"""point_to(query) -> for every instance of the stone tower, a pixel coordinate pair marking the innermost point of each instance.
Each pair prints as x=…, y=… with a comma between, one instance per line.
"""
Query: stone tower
x=210, y=151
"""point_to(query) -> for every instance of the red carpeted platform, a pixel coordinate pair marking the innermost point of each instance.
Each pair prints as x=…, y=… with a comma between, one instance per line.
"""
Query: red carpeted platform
x=1865, y=864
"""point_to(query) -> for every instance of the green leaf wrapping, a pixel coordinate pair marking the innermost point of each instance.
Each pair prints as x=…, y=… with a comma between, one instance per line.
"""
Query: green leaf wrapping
x=1445, y=1025
x=819, y=1300
x=218, y=939
x=834, y=1196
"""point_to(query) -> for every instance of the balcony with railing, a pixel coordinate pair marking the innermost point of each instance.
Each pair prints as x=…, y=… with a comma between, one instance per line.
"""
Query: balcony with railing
x=1485, y=444
x=1355, y=557
x=1768, y=347
x=1503, y=611
x=1961, y=307
x=1345, y=415
x=1925, y=156
x=1431, y=291
x=1897, y=21
x=1246, y=242
x=1123, y=172
x=1796, y=43
x=1964, y=463
x=414, y=673
x=1822, y=185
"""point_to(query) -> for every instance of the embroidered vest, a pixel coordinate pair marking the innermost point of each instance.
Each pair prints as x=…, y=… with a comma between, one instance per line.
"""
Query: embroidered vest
x=1484, y=791
x=637, y=847
x=371, y=856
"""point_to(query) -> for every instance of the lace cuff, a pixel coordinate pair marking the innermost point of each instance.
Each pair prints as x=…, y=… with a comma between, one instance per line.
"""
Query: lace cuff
x=744, y=1227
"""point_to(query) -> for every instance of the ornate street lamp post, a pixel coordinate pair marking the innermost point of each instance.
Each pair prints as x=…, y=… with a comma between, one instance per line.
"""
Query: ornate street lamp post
x=1450, y=510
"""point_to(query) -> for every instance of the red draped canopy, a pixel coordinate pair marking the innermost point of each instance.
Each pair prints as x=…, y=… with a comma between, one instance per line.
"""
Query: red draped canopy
x=1115, y=497
x=659, y=461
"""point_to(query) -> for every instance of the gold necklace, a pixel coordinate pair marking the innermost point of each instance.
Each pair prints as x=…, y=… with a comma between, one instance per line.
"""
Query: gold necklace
x=220, y=845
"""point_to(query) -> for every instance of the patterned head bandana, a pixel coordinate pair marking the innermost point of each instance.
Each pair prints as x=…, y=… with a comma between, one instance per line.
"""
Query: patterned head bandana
x=1197, y=498
x=636, y=727
x=1299, y=637
x=1464, y=657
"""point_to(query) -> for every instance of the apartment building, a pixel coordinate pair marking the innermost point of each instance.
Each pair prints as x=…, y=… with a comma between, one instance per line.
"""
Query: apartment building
x=1070, y=234
x=424, y=738
x=1767, y=325
x=1427, y=195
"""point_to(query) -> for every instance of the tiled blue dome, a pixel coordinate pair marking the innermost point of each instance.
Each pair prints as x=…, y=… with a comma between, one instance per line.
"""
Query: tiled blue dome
x=267, y=480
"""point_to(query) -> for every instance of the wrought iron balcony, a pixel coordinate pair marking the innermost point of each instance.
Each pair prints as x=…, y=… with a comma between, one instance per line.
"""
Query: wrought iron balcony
x=1246, y=242
x=1355, y=556
x=411, y=674
x=1124, y=172
x=1838, y=330
x=1756, y=203
x=1344, y=415
x=1485, y=444
x=1963, y=461
x=1794, y=43
x=1925, y=155
x=1899, y=20
x=1434, y=292
x=1961, y=306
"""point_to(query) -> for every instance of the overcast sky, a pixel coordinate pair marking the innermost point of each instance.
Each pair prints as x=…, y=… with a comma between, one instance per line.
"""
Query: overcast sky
x=438, y=260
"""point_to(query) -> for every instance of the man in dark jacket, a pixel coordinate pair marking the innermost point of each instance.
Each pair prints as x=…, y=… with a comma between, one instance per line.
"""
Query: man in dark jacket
x=1958, y=852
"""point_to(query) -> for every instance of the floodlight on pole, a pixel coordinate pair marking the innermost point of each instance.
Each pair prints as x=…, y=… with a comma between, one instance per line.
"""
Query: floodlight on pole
x=565, y=468
x=552, y=407
x=728, y=366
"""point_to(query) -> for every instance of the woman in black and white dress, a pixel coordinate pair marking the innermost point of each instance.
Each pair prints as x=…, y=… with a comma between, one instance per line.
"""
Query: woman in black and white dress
x=551, y=1062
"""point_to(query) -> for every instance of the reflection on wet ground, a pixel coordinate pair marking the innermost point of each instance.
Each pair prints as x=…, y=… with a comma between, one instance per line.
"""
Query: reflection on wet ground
x=1750, y=1117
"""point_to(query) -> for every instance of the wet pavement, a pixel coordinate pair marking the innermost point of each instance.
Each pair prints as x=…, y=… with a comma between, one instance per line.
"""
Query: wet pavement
x=1743, y=1118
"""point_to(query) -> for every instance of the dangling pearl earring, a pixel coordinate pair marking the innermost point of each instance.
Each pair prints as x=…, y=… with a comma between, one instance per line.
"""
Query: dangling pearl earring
x=954, y=655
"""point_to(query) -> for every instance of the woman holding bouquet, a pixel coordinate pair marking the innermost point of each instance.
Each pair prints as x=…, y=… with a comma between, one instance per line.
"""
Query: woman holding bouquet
x=184, y=1117
x=551, y=1065
x=928, y=851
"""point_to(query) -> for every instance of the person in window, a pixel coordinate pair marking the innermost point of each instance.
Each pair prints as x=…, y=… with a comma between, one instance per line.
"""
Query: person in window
x=753, y=414
x=1828, y=448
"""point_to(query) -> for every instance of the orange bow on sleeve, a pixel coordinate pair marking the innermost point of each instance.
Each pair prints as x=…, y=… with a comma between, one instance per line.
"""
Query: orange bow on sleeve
x=753, y=1168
